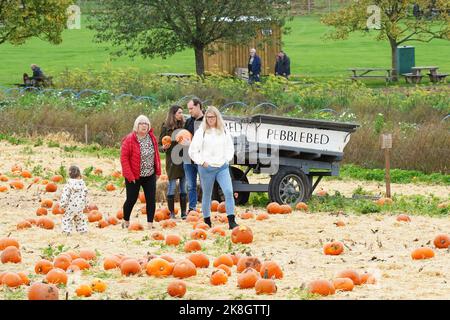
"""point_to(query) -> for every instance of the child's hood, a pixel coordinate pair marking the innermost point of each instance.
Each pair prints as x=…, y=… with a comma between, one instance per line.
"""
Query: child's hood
x=76, y=184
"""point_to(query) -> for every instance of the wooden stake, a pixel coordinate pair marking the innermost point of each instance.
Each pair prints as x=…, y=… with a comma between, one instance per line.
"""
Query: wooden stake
x=85, y=134
x=387, y=157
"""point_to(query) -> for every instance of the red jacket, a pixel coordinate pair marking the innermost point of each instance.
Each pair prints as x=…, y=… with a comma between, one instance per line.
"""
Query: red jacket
x=130, y=156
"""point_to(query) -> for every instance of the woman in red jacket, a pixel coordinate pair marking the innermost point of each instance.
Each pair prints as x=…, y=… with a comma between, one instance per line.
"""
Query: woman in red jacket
x=141, y=166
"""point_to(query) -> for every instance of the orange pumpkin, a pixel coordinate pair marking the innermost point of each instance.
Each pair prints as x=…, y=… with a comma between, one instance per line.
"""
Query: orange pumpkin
x=334, y=248
x=422, y=253
x=51, y=187
x=45, y=223
x=192, y=245
x=95, y=216
x=116, y=174
x=157, y=235
x=130, y=267
x=184, y=269
x=84, y=290
x=41, y=211
x=403, y=217
x=57, y=178
x=11, y=279
x=111, y=262
x=322, y=287
x=217, y=230
x=43, y=266
x=98, y=171
x=159, y=267
x=199, y=234
x=247, y=215
x=442, y=241
x=24, y=277
x=98, y=285
x=46, y=203
x=24, y=225
x=88, y=254
x=81, y=263
x=112, y=220
x=242, y=234
x=57, y=209
x=223, y=259
x=17, y=184
x=166, y=141
x=262, y=216
x=3, y=188
x=43, y=291
x=247, y=279
x=285, y=209
x=225, y=268
x=110, y=187
x=119, y=214
x=218, y=277
x=351, y=274
x=200, y=260
x=340, y=223
x=11, y=254
x=173, y=240
x=344, y=284
x=62, y=261
x=16, y=168
x=7, y=242
x=183, y=136
x=248, y=262
x=135, y=226
x=214, y=205
x=301, y=206
x=176, y=288
x=274, y=208
x=272, y=268
x=102, y=224
x=221, y=208
x=166, y=224
x=265, y=285
x=200, y=225
x=56, y=276
x=3, y=178
x=384, y=201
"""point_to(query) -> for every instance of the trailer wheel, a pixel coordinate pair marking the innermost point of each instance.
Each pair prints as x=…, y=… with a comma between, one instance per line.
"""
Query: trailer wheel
x=290, y=186
x=242, y=198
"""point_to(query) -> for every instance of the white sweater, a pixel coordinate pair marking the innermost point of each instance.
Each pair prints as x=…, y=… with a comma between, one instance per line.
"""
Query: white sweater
x=214, y=147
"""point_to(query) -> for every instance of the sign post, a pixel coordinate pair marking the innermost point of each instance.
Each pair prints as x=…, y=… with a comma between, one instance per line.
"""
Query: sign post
x=386, y=144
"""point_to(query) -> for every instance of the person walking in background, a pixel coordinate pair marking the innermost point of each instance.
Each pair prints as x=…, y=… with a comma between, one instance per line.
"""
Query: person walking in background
x=212, y=149
x=174, y=121
x=190, y=168
x=74, y=201
x=141, y=166
x=283, y=65
x=254, y=67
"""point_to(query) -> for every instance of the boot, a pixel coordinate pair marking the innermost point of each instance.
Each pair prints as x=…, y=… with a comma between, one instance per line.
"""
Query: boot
x=207, y=221
x=231, y=222
x=183, y=204
x=171, y=205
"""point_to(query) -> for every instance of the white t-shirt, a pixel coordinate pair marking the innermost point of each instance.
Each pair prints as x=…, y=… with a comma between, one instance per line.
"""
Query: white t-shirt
x=214, y=147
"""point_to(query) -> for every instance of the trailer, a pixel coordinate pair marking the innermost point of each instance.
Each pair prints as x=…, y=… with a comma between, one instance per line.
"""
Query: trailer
x=295, y=153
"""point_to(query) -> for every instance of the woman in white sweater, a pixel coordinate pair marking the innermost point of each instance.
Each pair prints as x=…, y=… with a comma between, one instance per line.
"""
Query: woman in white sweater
x=212, y=149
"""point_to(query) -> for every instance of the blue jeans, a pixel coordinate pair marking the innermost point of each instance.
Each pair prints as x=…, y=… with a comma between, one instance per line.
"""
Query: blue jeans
x=190, y=173
x=207, y=178
x=173, y=185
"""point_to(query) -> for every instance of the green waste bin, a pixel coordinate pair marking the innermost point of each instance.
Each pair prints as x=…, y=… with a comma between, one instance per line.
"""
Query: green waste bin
x=405, y=59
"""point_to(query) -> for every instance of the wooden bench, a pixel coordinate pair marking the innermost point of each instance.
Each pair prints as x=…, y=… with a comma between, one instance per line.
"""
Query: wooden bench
x=362, y=73
x=412, y=77
x=437, y=77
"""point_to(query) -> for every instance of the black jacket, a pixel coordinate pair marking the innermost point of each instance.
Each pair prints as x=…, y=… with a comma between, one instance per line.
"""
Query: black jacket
x=283, y=66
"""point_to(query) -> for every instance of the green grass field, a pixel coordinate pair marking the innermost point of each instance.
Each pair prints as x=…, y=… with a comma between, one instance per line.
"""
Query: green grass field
x=310, y=54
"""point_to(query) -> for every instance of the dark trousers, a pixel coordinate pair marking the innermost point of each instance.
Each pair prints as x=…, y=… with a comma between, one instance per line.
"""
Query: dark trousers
x=149, y=186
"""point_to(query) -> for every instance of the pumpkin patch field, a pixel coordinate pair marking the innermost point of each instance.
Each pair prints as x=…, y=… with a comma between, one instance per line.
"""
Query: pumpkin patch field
x=277, y=252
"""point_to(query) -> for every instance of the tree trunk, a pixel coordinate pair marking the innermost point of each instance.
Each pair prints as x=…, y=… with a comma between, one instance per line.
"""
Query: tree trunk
x=199, y=61
x=394, y=59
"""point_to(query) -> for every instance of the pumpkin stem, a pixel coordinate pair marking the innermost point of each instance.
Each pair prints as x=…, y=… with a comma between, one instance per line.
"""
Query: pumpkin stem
x=266, y=273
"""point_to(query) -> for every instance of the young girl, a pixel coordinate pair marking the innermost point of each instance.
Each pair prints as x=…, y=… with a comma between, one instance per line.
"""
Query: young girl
x=74, y=201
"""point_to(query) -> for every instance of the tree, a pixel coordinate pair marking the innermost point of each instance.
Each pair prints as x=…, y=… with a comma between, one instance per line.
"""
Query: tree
x=24, y=19
x=397, y=24
x=163, y=27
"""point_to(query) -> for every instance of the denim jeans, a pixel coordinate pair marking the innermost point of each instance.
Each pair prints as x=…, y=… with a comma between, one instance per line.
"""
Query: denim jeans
x=207, y=178
x=190, y=173
x=173, y=185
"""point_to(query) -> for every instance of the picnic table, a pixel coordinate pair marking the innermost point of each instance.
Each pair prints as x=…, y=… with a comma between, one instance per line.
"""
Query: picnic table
x=415, y=76
x=361, y=73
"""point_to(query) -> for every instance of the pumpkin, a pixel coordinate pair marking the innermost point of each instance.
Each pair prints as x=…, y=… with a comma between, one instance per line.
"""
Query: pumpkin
x=265, y=285
x=43, y=291
x=200, y=260
x=214, y=205
x=11, y=279
x=135, y=226
x=17, y=184
x=166, y=141
x=192, y=218
x=272, y=268
x=31, y=220
x=167, y=258
x=57, y=178
x=57, y=209
x=116, y=174
x=221, y=208
x=351, y=274
x=45, y=223
x=62, y=262
x=334, y=248
x=262, y=216
x=384, y=201
x=340, y=223
x=200, y=225
x=367, y=278
x=247, y=215
x=94, y=216
x=56, y=276
x=217, y=230
x=3, y=178
x=7, y=242
x=24, y=225
x=16, y=168
x=130, y=267
x=3, y=188
x=157, y=235
x=24, y=277
x=88, y=254
x=192, y=245
x=218, y=277
x=442, y=241
x=46, y=203
x=119, y=214
x=322, y=287
x=81, y=263
x=91, y=207
x=98, y=171
x=223, y=259
x=159, y=267
x=322, y=193
x=235, y=257
x=344, y=284
x=422, y=253
x=173, y=240
x=142, y=197
x=248, y=262
x=241, y=234
x=112, y=220
x=199, y=234
x=111, y=262
x=73, y=254
x=43, y=266
x=98, y=285
x=41, y=211
x=184, y=269
x=102, y=224
x=247, y=279
x=285, y=209
x=11, y=254
x=301, y=206
x=273, y=208
x=166, y=224
x=110, y=187
x=177, y=288
x=84, y=290
x=403, y=217
x=183, y=136
x=51, y=187
x=225, y=268
x=44, y=181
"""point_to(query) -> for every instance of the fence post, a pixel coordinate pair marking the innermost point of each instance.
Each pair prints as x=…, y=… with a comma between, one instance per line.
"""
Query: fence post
x=85, y=134
x=386, y=144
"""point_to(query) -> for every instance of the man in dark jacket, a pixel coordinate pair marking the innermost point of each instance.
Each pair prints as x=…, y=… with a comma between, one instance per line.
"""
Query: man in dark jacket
x=190, y=168
x=38, y=75
x=283, y=65
x=254, y=66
